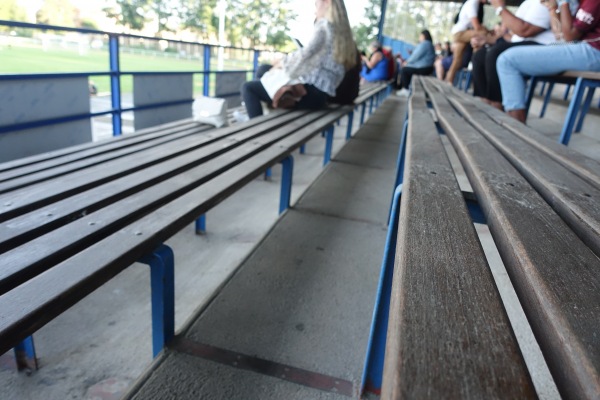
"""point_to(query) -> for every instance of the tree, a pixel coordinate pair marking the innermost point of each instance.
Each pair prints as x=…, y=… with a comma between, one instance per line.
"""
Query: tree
x=57, y=12
x=129, y=13
x=11, y=11
x=199, y=17
x=368, y=30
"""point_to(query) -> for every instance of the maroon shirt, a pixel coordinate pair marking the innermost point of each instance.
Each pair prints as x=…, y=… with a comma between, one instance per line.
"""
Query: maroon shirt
x=587, y=21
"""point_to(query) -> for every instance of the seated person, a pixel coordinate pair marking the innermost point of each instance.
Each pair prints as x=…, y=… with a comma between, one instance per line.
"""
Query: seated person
x=420, y=62
x=442, y=65
x=468, y=23
x=530, y=26
x=375, y=67
x=580, y=52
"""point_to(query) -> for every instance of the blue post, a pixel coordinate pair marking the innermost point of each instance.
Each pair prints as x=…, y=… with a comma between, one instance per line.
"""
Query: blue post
x=206, y=88
x=162, y=282
x=25, y=356
x=585, y=109
x=287, y=173
x=543, y=88
x=350, y=122
x=115, y=84
x=567, y=129
x=371, y=100
x=268, y=174
x=255, y=62
x=567, y=90
x=362, y=114
x=328, y=145
x=201, y=225
x=303, y=149
x=373, y=370
x=469, y=80
x=547, y=98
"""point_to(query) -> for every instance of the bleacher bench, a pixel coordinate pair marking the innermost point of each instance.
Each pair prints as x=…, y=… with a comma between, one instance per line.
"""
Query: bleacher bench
x=72, y=219
x=448, y=334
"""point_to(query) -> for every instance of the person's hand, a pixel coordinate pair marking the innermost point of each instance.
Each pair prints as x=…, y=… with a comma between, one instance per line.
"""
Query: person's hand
x=550, y=4
x=498, y=3
x=365, y=58
x=478, y=41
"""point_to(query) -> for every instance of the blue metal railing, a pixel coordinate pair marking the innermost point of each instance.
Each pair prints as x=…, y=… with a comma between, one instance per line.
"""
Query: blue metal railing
x=115, y=73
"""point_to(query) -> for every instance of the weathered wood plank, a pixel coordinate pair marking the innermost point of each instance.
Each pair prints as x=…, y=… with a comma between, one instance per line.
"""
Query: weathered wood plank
x=31, y=305
x=585, y=167
x=554, y=273
x=575, y=200
x=449, y=335
x=25, y=199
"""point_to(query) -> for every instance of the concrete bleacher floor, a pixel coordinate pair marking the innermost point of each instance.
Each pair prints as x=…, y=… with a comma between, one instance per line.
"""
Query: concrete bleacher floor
x=289, y=311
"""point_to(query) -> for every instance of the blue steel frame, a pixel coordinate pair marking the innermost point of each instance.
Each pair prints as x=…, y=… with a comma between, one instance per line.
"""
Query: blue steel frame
x=577, y=109
x=115, y=74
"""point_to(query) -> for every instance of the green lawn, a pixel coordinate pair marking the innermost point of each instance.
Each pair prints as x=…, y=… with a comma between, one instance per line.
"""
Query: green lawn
x=35, y=60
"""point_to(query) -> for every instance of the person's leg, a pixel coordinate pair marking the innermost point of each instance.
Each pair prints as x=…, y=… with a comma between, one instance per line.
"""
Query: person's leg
x=479, y=79
x=253, y=92
x=407, y=73
x=516, y=63
x=461, y=40
x=493, y=92
x=313, y=100
x=439, y=69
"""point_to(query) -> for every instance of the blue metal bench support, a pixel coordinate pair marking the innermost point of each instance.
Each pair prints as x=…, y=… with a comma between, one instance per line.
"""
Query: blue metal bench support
x=371, y=103
x=530, y=91
x=338, y=122
x=162, y=281
x=362, y=114
x=303, y=149
x=268, y=174
x=468, y=82
x=543, y=88
x=25, y=356
x=373, y=370
x=201, y=225
x=574, y=105
x=350, y=122
x=567, y=90
x=586, y=108
x=400, y=163
x=287, y=172
x=328, y=144
x=546, y=98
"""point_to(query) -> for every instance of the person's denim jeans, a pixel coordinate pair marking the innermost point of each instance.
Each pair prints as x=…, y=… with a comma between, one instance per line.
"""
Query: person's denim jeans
x=519, y=62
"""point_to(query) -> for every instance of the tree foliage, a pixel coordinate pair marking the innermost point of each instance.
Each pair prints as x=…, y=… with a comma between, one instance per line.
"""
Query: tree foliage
x=57, y=12
x=11, y=11
x=368, y=30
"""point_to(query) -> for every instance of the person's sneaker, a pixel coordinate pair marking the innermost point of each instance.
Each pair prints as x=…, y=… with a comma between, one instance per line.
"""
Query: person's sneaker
x=403, y=93
x=240, y=116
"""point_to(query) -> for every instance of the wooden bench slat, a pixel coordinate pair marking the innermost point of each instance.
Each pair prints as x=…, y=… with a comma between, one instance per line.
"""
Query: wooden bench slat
x=554, y=273
x=449, y=335
x=34, y=303
x=71, y=150
x=34, y=257
x=28, y=198
x=574, y=199
x=585, y=167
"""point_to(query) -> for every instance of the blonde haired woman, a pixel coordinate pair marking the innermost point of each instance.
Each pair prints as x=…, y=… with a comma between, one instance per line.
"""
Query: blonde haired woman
x=320, y=66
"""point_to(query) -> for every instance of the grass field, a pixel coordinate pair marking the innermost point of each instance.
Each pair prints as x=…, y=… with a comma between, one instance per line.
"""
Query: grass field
x=21, y=60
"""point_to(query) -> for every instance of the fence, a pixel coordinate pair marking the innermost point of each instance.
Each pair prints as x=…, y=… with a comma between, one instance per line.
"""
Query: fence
x=90, y=45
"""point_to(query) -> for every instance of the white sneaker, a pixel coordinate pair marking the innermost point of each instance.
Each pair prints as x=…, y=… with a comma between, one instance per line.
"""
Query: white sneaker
x=403, y=93
x=239, y=116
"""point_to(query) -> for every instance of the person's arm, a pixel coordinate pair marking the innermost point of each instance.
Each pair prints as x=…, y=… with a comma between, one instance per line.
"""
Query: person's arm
x=514, y=23
x=417, y=53
x=476, y=24
x=306, y=58
x=563, y=14
x=374, y=60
